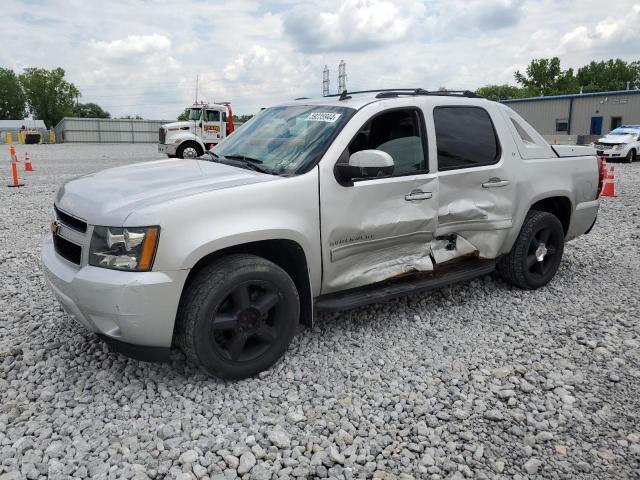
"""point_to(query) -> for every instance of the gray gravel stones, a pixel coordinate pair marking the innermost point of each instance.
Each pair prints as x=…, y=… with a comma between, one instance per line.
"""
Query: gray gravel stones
x=479, y=380
x=279, y=438
x=532, y=466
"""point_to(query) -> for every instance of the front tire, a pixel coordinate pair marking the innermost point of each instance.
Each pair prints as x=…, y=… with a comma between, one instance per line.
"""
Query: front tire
x=237, y=316
x=189, y=151
x=535, y=257
x=631, y=156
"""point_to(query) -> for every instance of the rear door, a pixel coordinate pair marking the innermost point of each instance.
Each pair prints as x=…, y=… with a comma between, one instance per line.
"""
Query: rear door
x=477, y=176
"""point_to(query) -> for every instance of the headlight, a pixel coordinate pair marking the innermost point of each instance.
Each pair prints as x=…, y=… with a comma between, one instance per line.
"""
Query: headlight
x=618, y=147
x=131, y=249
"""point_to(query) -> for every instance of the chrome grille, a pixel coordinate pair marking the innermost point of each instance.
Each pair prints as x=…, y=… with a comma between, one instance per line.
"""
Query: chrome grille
x=71, y=222
x=67, y=250
x=69, y=236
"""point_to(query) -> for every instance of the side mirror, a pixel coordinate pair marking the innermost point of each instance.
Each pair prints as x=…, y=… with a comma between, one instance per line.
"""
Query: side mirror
x=365, y=164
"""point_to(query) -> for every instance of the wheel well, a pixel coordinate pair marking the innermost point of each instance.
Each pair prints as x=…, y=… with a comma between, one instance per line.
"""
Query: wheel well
x=558, y=206
x=287, y=254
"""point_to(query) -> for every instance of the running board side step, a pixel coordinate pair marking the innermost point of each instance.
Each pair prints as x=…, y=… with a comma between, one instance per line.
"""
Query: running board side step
x=417, y=283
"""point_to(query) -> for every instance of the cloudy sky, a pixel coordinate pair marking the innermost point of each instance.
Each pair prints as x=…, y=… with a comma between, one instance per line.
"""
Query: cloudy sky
x=142, y=57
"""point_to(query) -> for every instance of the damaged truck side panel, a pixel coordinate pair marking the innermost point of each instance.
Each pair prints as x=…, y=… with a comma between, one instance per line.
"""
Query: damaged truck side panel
x=371, y=233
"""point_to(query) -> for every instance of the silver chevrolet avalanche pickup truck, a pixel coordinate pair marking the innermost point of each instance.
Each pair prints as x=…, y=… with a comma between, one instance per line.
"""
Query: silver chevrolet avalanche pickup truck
x=323, y=204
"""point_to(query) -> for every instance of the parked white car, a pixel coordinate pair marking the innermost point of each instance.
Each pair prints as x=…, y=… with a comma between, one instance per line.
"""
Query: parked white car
x=623, y=142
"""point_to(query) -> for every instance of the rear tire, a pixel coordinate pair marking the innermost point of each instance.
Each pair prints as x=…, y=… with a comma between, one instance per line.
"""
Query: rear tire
x=535, y=257
x=631, y=156
x=237, y=316
x=189, y=151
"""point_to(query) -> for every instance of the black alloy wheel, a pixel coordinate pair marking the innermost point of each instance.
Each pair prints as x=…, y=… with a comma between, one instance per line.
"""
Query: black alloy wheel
x=237, y=316
x=248, y=321
x=543, y=248
x=536, y=254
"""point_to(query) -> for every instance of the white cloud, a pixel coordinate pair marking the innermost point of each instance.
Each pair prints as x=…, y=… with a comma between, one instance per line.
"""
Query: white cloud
x=354, y=25
x=133, y=45
x=621, y=30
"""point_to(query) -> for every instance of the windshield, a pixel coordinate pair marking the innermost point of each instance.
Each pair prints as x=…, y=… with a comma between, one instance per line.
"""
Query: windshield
x=624, y=131
x=286, y=140
x=194, y=113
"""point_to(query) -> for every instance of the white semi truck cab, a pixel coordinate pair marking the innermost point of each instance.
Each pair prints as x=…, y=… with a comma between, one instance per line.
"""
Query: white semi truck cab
x=206, y=126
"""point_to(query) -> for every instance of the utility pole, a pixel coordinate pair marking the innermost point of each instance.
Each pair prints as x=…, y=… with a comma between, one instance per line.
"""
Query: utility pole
x=325, y=81
x=342, y=76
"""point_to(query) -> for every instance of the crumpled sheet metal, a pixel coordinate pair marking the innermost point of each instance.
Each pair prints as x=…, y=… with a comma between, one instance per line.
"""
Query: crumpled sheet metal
x=377, y=265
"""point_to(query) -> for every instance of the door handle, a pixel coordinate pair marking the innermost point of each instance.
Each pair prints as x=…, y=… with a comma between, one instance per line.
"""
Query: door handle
x=417, y=195
x=495, y=182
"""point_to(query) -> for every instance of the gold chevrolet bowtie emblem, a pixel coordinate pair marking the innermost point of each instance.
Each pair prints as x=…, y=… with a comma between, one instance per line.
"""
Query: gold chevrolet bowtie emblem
x=54, y=227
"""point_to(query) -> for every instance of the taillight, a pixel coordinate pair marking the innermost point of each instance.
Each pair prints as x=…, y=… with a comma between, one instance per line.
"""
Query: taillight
x=602, y=173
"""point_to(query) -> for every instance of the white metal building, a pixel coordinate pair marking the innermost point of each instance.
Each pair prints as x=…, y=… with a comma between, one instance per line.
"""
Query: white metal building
x=108, y=130
x=584, y=115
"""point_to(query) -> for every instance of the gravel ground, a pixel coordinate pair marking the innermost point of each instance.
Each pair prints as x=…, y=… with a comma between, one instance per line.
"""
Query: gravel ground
x=480, y=380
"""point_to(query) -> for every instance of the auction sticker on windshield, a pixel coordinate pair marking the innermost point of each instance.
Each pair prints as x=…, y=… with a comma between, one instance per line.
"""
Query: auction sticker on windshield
x=323, y=117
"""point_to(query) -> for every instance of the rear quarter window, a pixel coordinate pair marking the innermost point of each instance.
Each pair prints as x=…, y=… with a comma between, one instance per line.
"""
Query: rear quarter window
x=465, y=137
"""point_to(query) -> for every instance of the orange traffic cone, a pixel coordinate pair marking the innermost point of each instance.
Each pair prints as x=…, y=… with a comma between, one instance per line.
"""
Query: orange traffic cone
x=27, y=163
x=609, y=188
x=15, y=181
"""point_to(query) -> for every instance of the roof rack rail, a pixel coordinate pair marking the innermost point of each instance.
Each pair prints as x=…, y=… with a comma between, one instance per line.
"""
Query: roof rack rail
x=396, y=92
x=370, y=91
x=435, y=93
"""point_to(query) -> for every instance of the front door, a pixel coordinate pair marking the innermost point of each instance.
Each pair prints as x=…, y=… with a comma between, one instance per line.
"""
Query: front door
x=596, y=126
x=211, y=126
x=477, y=179
x=379, y=228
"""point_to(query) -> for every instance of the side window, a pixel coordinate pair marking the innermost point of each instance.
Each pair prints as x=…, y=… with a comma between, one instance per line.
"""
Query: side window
x=524, y=136
x=398, y=133
x=212, y=116
x=465, y=137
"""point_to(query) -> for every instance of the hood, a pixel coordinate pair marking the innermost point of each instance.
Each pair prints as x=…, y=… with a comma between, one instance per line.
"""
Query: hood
x=617, y=139
x=108, y=197
x=179, y=125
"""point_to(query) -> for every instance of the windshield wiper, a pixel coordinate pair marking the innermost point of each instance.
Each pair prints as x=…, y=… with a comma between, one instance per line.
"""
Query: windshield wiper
x=243, y=162
x=237, y=156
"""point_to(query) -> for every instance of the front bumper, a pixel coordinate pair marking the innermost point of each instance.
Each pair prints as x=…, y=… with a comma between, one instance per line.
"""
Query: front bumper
x=128, y=308
x=614, y=153
x=169, y=149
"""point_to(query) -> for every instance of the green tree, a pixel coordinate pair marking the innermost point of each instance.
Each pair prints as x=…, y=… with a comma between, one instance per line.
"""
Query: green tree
x=12, y=99
x=90, y=110
x=183, y=116
x=500, y=92
x=609, y=75
x=49, y=96
x=242, y=118
x=545, y=77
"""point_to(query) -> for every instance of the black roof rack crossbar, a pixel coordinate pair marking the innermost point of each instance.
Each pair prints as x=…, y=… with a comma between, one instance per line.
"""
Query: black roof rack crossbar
x=372, y=91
